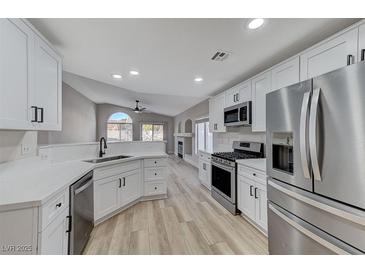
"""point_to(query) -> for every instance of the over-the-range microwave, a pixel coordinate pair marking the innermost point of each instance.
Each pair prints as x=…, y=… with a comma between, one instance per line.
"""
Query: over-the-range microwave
x=238, y=115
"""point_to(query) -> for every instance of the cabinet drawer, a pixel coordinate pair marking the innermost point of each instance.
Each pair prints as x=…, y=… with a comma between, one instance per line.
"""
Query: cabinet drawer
x=112, y=170
x=155, y=188
x=51, y=209
x=204, y=156
x=154, y=173
x=252, y=174
x=155, y=162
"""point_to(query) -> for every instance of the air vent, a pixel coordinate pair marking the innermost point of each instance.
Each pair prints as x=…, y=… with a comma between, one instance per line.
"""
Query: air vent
x=220, y=56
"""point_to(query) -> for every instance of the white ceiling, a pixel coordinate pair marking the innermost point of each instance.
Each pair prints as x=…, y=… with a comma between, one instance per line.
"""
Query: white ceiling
x=169, y=53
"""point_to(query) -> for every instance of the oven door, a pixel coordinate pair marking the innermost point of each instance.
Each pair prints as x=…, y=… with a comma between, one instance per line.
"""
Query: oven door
x=223, y=181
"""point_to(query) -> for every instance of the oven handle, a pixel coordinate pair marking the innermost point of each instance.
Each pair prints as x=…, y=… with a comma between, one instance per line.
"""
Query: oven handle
x=230, y=169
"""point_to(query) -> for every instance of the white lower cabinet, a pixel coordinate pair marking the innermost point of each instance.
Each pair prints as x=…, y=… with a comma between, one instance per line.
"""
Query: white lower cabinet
x=119, y=185
x=205, y=173
x=261, y=205
x=252, y=197
x=116, y=190
x=54, y=238
x=155, y=171
x=106, y=196
x=246, y=202
x=130, y=189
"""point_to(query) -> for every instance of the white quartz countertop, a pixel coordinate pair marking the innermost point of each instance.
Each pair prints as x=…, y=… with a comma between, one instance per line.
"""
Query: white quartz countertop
x=259, y=164
x=32, y=181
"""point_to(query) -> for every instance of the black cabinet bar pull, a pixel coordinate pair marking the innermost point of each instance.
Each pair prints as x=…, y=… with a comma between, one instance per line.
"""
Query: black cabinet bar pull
x=362, y=54
x=251, y=191
x=256, y=193
x=123, y=181
x=69, y=224
x=35, y=114
x=58, y=205
x=120, y=183
x=42, y=110
x=349, y=59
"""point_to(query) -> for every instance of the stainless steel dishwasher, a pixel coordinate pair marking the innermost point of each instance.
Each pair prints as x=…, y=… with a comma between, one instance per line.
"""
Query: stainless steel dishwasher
x=81, y=213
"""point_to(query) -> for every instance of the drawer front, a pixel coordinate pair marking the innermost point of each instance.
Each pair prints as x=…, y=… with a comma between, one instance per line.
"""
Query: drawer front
x=51, y=209
x=252, y=174
x=155, y=162
x=154, y=173
x=155, y=188
x=112, y=170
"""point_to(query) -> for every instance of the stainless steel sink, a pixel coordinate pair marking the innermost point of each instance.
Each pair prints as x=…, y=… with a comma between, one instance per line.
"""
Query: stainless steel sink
x=106, y=159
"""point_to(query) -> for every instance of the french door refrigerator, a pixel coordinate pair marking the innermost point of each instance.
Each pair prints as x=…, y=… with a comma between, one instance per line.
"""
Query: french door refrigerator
x=316, y=165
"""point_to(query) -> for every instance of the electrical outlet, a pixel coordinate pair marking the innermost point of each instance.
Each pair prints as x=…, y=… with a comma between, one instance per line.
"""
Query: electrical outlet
x=25, y=149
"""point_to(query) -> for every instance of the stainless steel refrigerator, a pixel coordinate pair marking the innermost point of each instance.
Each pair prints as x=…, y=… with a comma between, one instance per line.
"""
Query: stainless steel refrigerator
x=316, y=165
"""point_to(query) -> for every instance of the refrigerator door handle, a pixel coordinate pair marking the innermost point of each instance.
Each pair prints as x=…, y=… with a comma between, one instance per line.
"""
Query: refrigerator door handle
x=308, y=232
x=313, y=134
x=303, y=135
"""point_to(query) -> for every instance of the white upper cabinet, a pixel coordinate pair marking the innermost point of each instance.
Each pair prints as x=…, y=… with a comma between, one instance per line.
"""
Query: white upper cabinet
x=216, y=113
x=238, y=94
x=334, y=54
x=30, y=79
x=361, y=55
x=16, y=61
x=48, y=86
x=261, y=85
x=285, y=74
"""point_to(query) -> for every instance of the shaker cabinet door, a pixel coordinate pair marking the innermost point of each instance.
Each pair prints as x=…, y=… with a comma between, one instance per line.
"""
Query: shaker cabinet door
x=261, y=206
x=285, y=74
x=131, y=188
x=261, y=85
x=334, y=54
x=48, y=86
x=246, y=201
x=16, y=61
x=106, y=196
x=54, y=238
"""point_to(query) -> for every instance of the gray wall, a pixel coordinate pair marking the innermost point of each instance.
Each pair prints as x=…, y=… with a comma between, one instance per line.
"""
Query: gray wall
x=11, y=142
x=105, y=110
x=198, y=111
x=78, y=120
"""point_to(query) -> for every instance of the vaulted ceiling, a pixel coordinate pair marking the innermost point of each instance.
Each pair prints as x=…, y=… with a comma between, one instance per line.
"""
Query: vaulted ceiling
x=170, y=53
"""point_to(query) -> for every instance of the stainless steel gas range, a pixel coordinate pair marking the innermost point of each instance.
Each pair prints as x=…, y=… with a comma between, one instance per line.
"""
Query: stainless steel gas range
x=224, y=172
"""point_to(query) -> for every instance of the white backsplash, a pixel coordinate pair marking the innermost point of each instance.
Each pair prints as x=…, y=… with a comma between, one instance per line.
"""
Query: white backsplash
x=222, y=141
x=69, y=152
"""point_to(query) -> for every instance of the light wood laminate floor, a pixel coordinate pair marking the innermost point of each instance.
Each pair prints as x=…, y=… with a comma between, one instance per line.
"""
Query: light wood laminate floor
x=189, y=221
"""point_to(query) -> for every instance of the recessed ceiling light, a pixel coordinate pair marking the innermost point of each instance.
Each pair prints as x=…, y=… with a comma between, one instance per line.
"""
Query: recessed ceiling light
x=134, y=72
x=255, y=23
x=117, y=76
x=198, y=79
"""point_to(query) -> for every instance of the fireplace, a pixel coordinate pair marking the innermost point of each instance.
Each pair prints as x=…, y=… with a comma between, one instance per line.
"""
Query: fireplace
x=180, y=149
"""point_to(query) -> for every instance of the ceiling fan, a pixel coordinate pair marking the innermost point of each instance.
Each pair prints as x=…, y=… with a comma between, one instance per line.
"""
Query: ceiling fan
x=138, y=109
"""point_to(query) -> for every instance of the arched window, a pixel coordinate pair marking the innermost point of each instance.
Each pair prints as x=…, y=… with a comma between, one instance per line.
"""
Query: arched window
x=120, y=127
